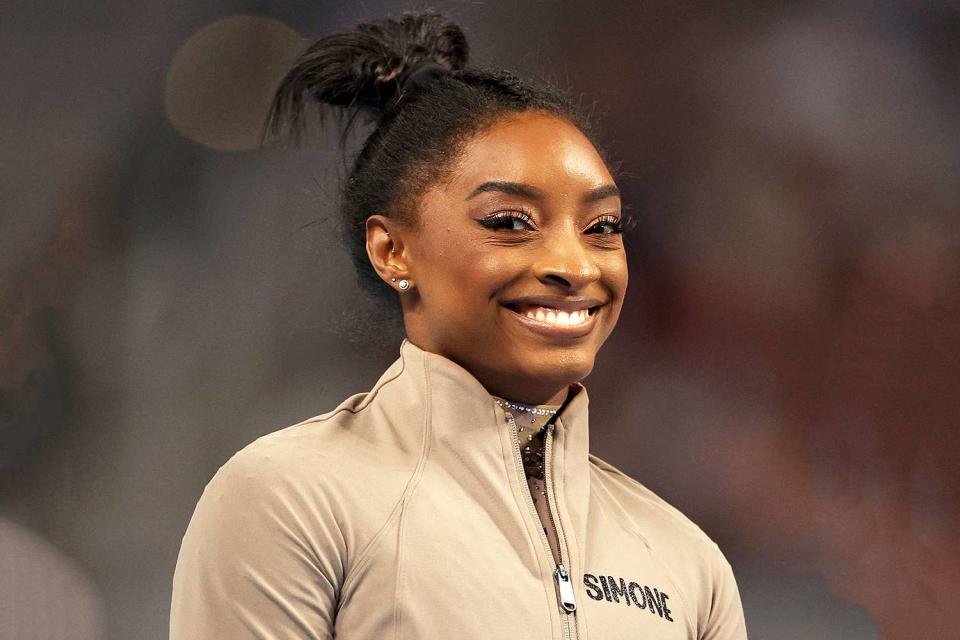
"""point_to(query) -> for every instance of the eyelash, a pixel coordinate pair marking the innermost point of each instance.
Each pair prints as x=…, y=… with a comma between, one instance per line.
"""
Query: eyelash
x=504, y=220
x=615, y=222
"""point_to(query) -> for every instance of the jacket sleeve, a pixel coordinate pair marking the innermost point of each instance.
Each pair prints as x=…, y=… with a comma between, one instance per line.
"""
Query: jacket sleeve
x=261, y=558
x=726, y=620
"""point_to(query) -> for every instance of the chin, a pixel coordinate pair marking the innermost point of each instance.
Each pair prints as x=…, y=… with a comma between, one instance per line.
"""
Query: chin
x=562, y=364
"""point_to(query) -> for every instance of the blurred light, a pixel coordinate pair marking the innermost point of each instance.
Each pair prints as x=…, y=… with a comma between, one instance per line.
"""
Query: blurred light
x=221, y=81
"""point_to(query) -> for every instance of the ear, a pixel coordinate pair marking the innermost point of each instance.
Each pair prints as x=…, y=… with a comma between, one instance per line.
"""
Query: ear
x=386, y=250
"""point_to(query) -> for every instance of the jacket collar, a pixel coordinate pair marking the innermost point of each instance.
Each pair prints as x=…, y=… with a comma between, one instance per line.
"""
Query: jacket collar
x=464, y=426
x=458, y=399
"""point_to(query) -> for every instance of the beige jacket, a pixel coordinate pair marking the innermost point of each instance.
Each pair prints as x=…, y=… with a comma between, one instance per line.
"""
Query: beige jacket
x=404, y=513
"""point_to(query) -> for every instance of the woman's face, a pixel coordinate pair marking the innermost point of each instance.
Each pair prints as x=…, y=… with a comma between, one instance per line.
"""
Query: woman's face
x=517, y=265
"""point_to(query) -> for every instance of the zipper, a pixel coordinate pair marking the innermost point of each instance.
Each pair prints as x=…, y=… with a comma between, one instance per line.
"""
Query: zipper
x=561, y=576
x=567, y=600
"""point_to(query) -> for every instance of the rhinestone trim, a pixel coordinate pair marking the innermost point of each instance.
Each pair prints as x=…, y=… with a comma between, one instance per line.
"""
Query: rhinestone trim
x=526, y=408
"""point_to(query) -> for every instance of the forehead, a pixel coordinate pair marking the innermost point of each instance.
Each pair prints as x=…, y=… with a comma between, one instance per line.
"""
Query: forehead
x=534, y=148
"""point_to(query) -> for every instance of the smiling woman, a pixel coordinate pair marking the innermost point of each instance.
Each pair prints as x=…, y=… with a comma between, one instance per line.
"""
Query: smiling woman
x=517, y=257
x=457, y=497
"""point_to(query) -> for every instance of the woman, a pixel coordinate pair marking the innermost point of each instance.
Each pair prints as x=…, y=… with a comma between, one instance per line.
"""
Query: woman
x=456, y=498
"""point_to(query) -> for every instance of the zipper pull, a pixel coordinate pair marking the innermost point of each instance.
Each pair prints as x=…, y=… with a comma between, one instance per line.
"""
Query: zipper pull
x=566, y=589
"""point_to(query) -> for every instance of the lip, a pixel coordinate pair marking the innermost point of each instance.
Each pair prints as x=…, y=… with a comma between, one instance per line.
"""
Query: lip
x=561, y=304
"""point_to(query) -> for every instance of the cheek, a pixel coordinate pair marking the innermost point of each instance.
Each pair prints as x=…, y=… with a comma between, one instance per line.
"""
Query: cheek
x=490, y=267
x=616, y=274
x=462, y=276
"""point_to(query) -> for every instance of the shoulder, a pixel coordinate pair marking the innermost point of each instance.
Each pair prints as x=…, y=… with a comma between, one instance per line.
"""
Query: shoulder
x=650, y=516
x=338, y=475
x=357, y=435
x=312, y=447
x=325, y=446
x=279, y=473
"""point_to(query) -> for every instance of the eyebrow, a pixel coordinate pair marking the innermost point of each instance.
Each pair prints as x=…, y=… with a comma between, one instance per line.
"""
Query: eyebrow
x=512, y=188
x=529, y=191
x=606, y=191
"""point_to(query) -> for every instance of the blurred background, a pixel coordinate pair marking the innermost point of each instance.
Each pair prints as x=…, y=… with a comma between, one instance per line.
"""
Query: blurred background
x=787, y=366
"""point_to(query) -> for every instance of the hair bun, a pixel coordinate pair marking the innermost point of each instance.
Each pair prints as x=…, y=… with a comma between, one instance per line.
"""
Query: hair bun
x=363, y=69
x=413, y=40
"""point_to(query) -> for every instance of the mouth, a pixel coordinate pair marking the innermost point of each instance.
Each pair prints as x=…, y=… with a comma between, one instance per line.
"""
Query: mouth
x=567, y=319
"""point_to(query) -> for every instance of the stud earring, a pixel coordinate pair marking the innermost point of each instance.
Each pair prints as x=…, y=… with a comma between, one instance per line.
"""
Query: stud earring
x=404, y=284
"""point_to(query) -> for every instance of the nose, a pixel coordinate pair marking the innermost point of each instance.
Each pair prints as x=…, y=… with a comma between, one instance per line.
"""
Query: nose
x=564, y=260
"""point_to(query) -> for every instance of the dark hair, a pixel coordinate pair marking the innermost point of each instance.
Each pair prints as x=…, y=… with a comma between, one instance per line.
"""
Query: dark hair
x=410, y=75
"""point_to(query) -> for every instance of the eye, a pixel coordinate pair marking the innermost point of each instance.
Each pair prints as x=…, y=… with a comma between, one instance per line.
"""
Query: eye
x=508, y=220
x=607, y=225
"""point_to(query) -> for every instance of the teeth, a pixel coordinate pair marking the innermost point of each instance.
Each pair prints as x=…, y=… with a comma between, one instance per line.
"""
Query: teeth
x=552, y=316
